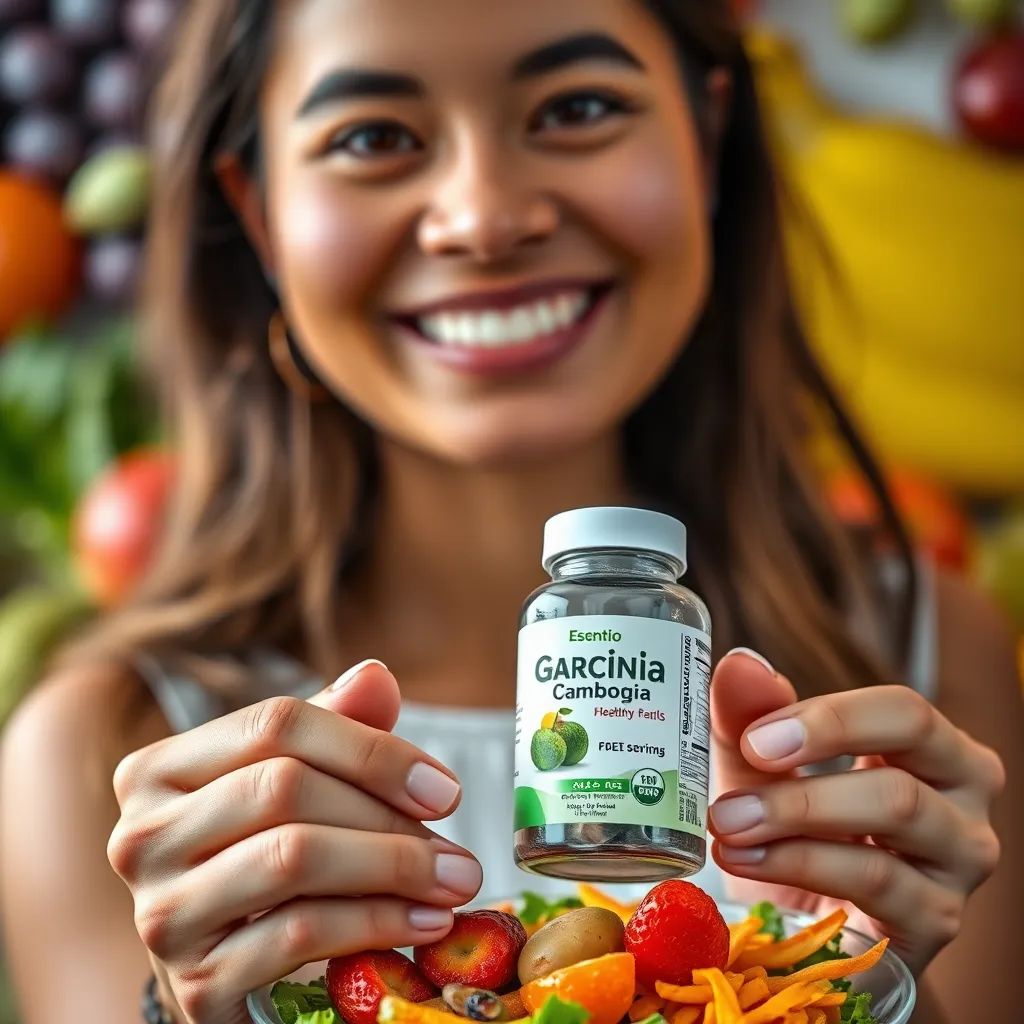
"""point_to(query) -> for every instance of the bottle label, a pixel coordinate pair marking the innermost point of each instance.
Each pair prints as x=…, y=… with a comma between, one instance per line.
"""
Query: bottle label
x=612, y=723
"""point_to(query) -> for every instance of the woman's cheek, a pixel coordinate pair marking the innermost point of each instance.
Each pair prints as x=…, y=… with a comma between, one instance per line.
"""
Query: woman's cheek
x=332, y=248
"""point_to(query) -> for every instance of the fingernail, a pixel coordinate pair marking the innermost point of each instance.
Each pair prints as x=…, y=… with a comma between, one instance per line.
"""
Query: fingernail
x=742, y=854
x=429, y=919
x=737, y=814
x=431, y=788
x=778, y=739
x=461, y=876
x=343, y=680
x=759, y=658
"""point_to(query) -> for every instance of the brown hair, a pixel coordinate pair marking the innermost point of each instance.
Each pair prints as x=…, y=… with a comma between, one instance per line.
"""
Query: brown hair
x=264, y=523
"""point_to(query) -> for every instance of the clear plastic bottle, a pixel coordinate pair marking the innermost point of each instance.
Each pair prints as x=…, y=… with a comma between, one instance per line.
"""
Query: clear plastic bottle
x=612, y=719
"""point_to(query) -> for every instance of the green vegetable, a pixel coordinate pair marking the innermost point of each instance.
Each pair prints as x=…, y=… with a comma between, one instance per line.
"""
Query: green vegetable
x=655, y=1018
x=294, y=1002
x=329, y=1016
x=537, y=908
x=857, y=1009
x=772, y=920
x=558, y=1011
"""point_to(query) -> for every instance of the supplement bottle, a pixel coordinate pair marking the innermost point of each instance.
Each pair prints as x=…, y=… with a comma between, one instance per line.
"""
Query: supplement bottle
x=612, y=719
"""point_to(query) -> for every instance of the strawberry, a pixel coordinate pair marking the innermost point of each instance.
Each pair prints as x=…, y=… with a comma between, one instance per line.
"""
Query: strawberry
x=481, y=950
x=357, y=983
x=676, y=929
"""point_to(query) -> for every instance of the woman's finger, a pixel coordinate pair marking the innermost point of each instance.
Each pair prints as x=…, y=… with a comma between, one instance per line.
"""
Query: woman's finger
x=921, y=915
x=890, y=805
x=262, y=796
x=311, y=861
x=293, y=935
x=381, y=764
x=893, y=721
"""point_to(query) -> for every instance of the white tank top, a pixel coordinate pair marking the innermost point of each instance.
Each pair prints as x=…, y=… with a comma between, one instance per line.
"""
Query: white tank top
x=477, y=745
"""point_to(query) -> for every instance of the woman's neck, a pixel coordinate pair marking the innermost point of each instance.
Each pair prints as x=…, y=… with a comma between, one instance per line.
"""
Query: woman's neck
x=456, y=551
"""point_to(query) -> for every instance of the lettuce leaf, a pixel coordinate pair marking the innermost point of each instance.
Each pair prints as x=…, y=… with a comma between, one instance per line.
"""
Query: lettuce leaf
x=558, y=1011
x=537, y=908
x=329, y=1016
x=857, y=1009
x=293, y=1001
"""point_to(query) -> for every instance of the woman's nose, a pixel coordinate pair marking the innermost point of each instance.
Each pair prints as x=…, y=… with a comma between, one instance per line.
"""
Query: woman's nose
x=481, y=211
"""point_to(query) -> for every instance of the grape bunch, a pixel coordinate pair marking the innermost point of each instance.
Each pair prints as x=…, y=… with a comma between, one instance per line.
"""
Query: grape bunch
x=73, y=84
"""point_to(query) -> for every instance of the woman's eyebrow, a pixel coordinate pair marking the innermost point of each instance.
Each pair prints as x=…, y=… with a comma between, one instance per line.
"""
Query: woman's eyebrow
x=578, y=49
x=358, y=83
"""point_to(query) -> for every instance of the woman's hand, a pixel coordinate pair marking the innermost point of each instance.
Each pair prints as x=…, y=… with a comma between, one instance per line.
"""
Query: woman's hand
x=281, y=835
x=905, y=838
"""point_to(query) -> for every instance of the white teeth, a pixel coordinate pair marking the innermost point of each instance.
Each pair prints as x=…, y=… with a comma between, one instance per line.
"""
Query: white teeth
x=497, y=328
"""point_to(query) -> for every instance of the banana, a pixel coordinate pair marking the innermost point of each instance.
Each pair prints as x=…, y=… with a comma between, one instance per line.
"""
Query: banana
x=916, y=302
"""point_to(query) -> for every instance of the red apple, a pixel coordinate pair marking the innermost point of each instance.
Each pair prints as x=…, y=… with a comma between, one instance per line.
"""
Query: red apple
x=118, y=523
x=357, y=983
x=988, y=91
x=481, y=950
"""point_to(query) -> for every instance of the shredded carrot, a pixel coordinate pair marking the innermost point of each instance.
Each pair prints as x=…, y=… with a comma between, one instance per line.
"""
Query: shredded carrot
x=645, y=1006
x=795, y=998
x=687, y=995
x=831, y=999
x=727, y=1005
x=794, y=949
x=686, y=1015
x=709, y=1014
x=797, y=1017
x=740, y=935
x=668, y=1009
x=832, y=970
x=759, y=941
x=753, y=992
x=815, y=1016
x=755, y=972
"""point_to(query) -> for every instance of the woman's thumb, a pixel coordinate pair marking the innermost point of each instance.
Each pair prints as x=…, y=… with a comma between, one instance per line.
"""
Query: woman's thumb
x=366, y=693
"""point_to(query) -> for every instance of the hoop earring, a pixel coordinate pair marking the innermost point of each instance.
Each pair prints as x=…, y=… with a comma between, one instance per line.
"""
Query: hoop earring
x=291, y=367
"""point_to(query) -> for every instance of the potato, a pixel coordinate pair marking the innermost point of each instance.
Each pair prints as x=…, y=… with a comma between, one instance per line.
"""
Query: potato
x=579, y=935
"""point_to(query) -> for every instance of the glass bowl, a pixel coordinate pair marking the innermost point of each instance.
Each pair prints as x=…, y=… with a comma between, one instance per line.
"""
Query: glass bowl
x=892, y=988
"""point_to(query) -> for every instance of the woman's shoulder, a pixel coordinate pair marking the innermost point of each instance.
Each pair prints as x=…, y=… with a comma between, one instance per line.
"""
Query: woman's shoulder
x=80, y=722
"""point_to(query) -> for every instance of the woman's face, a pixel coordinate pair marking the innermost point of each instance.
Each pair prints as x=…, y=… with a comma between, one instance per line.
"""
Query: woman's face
x=488, y=221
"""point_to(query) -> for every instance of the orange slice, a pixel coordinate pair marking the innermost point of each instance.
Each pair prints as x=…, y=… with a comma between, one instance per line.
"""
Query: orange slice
x=604, y=987
x=548, y=721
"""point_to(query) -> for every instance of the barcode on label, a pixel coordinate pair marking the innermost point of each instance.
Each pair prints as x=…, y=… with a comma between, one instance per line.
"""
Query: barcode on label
x=688, y=813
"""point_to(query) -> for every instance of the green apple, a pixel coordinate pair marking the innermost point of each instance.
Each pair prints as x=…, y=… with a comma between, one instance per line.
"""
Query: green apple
x=875, y=21
x=982, y=12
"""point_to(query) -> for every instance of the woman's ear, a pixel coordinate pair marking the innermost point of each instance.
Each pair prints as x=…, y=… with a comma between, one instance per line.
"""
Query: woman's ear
x=718, y=90
x=245, y=197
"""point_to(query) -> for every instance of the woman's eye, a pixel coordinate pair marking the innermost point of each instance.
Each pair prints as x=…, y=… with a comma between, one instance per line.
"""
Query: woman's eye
x=381, y=138
x=579, y=110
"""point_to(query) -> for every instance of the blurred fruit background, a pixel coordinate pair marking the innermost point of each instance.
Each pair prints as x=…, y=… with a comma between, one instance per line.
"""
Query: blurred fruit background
x=899, y=131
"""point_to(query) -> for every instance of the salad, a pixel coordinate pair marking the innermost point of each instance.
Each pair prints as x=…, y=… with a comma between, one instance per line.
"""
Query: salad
x=670, y=959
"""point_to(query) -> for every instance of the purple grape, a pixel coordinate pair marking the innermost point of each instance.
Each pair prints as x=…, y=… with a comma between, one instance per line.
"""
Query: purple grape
x=147, y=22
x=43, y=142
x=112, y=267
x=113, y=90
x=35, y=67
x=14, y=10
x=86, y=22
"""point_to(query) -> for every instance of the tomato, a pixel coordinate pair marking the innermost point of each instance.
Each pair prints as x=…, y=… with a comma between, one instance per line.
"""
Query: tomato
x=989, y=91
x=40, y=261
x=931, y=514
x=118, y=524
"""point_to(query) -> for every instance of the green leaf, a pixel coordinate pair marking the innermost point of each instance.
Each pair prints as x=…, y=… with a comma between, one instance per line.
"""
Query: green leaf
x=565, y=711
x=34, y=374
x=328, y=1016
x=857, y=1009
x=537, y=908
x=773, y=924
x=558, y=1011
x=655, y=1018
x=293, y=1000
x=90, y=445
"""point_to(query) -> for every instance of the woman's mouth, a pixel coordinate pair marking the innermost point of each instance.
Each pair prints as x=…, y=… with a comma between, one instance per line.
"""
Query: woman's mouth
x=508, y=331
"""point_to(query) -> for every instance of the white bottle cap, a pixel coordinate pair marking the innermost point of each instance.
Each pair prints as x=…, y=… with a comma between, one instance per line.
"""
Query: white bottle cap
x=630, y=529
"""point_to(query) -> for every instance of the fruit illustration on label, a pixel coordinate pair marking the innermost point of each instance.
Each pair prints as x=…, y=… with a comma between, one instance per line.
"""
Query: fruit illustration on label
x=573, y=735
x=548, y=750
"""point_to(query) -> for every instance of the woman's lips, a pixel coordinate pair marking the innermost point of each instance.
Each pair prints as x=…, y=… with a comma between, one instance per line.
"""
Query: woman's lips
x=511, y=331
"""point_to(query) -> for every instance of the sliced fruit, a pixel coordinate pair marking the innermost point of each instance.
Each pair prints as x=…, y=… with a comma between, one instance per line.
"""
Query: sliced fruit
x=358, y=983
x=481, y=950
x=676, y=930
x=395, y=1010
x=592, y=897
x=548, y=721
x=604, y=987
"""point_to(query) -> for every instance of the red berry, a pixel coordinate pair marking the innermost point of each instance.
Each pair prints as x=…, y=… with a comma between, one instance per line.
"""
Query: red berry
x=676, y=929
x=357, y=983
x=481, y=950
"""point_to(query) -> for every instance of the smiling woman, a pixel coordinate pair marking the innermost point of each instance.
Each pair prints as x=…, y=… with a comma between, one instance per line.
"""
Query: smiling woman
x=423, y=273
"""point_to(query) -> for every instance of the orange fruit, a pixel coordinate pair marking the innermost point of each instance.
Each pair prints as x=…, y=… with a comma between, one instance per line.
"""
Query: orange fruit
x=40, y=261
x=604, y=987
